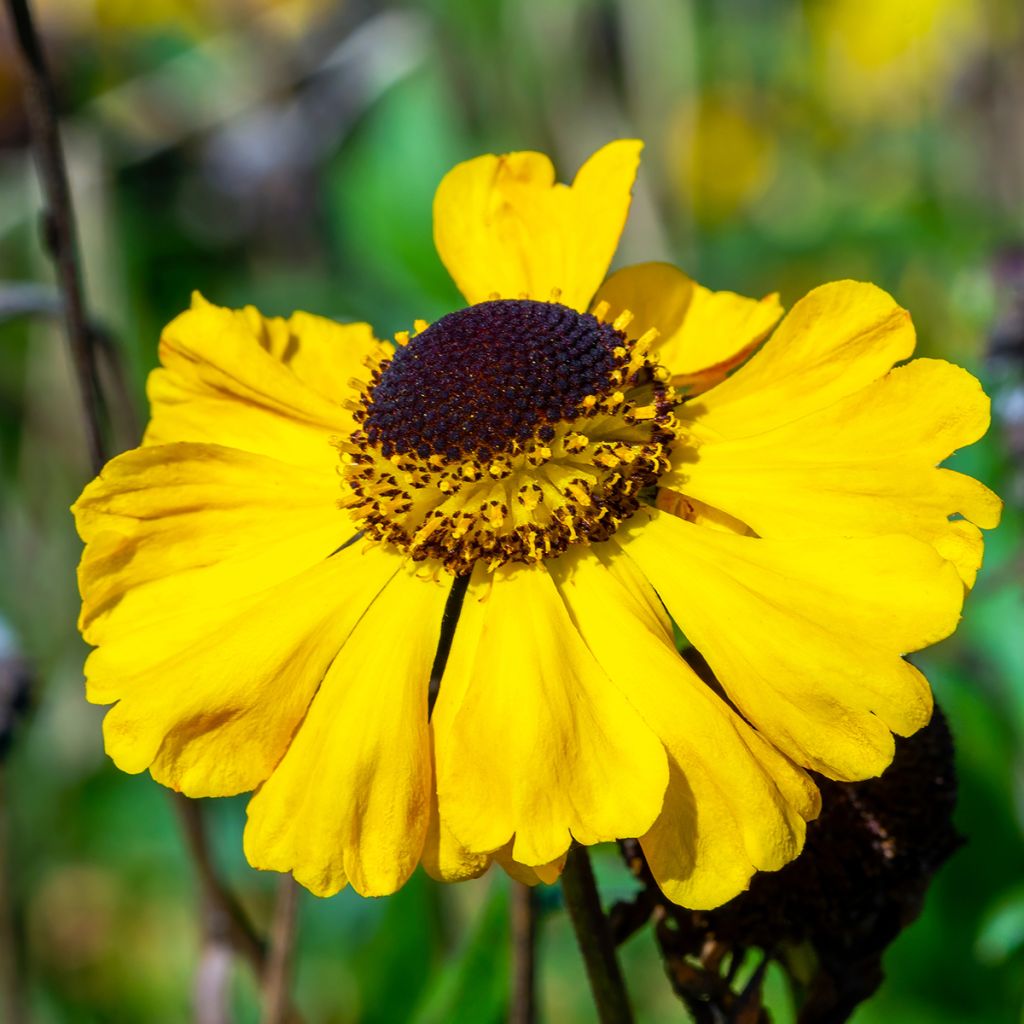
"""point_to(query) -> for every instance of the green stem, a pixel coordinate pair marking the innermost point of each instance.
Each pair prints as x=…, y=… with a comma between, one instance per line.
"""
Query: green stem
x=591, y=927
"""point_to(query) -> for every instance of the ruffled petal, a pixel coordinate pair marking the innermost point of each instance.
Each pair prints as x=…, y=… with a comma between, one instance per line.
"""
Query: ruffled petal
x=702, y=334
x=350, y=800
x=807, y=635
x=186, y=530
x=211, y=710
x=504, y=227
x=733, y=806
x=833, y=342
x=533, y=740
x=272, y=386
x=863, y=465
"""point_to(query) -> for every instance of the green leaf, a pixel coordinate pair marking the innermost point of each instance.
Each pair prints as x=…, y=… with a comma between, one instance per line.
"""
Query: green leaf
x=1002, y=930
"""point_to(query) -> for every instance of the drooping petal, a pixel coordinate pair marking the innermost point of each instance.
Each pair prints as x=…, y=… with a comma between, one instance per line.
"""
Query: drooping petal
x=863, y=465
x=445, y=859
x=502, y=225
x=833, y=342
x=733, y=806
x=350, y=800
x=807, y=635
x=547, y=874
x=963, y=545
x=211, y=711
x=719, y=332
x=533, y=739
x=186, y=530
x=702, y=334
x=276, y=387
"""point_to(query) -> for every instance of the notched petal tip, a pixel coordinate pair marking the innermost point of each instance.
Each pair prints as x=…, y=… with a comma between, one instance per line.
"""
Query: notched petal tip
x=504, y=227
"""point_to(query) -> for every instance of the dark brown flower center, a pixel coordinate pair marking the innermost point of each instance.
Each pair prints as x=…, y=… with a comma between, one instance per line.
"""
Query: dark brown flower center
x=481, y=378
x=506, y=432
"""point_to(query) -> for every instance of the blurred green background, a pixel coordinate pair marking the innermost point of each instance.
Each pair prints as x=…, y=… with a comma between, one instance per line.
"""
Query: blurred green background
x=285, y=154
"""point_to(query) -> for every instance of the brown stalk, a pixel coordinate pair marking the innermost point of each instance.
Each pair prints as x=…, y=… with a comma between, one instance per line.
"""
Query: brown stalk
x=523, y=914
x=594, y=939
x=226, y=928
x=277, y=974
x=58, y=219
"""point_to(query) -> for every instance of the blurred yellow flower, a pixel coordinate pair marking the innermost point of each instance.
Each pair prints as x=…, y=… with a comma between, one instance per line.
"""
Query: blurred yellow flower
x=880, y=60
x=723, y=157
x=193, y=17
x=551, y=472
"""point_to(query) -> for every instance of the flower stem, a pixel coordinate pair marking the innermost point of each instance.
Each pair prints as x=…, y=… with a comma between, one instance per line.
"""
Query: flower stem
x=277, y=975
x=225, y=924
x=524, y=955
x=591, y=927
x=224, y=921
x=59, y=221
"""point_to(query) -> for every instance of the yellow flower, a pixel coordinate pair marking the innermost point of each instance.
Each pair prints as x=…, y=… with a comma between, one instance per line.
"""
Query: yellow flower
x=891, y=62
x=265, y=578
x=196, y=18
x=724, y=155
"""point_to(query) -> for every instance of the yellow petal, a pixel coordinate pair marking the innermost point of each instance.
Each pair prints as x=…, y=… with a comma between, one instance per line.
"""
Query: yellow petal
x=502, y=225
x=210, y=713
x=695, y=511
x=445, y=859
x=657, y=294
x=533, y=740
x=547, y=874
x=833, y=342
x=963, y=545
x=807, y=635
x=188, y=529
x=702, y=334
x=640, y=596
x=733, y=807
x=235, y=378
x=720, y=330
x=325, y=354
x=350, y=800
x=864, y=465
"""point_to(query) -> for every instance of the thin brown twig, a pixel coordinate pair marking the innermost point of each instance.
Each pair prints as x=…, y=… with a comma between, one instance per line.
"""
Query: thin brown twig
x=523, y=914
x=59, y=221
x=277, y=975
x=212, y=985
x=15, y=700
x=225, y=924
x=28, y=299
x=12, y=994
x=226, y=927
x=594, y=939
x=224, y=920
